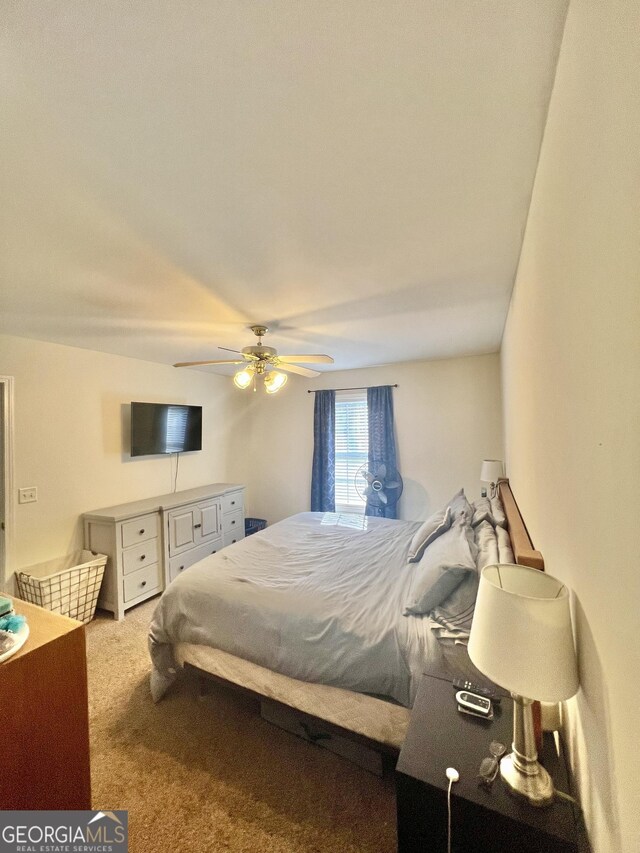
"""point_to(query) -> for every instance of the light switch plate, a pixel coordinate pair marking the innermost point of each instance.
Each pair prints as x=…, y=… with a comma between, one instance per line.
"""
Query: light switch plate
x=28, y=495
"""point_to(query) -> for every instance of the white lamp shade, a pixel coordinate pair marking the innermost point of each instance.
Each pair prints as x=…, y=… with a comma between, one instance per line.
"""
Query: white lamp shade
x=491, y=471
x=521, y=635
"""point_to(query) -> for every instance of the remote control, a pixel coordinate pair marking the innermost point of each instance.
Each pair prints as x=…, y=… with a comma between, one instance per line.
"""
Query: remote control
x=476, y=704
x=465, y=684
x=483, y=717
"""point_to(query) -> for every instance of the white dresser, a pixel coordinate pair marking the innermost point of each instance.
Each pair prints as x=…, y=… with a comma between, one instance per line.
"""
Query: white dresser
x=149, y=542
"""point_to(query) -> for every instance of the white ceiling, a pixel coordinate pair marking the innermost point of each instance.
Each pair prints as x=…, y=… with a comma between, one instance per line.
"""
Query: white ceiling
x=354, y=173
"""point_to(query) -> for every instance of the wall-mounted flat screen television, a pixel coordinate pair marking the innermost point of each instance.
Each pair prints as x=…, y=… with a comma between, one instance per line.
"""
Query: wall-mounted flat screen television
x=165, y=428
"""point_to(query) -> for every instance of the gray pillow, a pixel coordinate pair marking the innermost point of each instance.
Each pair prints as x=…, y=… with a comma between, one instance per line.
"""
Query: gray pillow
x=481, y=511
x=428, y=532
x=460, y=507
x=443, y=566
x=455, y=614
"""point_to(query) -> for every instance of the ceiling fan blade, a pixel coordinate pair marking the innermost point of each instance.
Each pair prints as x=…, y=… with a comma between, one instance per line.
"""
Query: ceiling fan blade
x=196, y=363
x=309, y=358
x=247, y=356
x=293, y=368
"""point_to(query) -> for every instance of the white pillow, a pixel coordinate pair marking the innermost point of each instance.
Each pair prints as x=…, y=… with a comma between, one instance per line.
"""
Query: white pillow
x=443, y=566
x=428, y=532
x=505, y=552
x=497, y=511
x=481, y=511
x=487, y=543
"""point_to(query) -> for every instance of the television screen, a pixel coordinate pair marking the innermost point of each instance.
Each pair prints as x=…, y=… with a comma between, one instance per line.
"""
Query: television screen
x=165, y=428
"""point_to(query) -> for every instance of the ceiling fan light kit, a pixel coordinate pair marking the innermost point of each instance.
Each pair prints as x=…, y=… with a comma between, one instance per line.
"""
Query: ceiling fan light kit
x=244, y=378
x=274, y=381
x=261, y=361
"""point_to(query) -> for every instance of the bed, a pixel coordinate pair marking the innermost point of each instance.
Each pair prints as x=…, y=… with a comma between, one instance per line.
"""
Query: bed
x=311, y=615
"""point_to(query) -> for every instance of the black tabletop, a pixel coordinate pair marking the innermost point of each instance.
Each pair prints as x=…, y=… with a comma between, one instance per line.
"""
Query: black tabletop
x=439, y=736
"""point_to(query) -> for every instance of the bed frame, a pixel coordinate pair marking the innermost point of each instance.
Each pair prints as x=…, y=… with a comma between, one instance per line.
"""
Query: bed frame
x=523, y=551
x=323, y=711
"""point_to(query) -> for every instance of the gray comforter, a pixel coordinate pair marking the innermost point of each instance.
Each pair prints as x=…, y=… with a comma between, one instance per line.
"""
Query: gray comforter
x=318, y=597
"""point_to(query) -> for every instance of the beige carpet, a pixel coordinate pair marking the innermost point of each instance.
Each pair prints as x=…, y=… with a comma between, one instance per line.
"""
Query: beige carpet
x=210, y=774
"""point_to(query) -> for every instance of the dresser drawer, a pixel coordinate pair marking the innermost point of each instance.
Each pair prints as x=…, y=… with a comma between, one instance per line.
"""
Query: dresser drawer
x=139, y=556
x=231, y=502
x=144, y=580
x=233, y=522
x=232, y=537
x=178, y=564
x=139, y=529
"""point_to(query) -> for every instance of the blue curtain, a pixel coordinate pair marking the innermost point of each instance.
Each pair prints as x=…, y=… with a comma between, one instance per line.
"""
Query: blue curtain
x=323, y=474
x=382, y=442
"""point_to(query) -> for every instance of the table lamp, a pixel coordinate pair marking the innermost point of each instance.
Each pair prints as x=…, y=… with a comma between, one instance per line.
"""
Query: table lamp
x=521, y=638
x=490, y=472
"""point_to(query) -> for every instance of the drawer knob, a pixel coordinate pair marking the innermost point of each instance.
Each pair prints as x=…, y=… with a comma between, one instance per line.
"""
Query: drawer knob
x=195, y=526
x=234, y=521
x=233, y=540
x=144, y=583
x=143, y=556
x=181, y=568
x=141, y=531
x=233, y=503
x=213, y=552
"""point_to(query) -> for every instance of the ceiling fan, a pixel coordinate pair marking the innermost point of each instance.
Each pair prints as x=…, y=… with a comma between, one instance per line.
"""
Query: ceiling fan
x=261, y=360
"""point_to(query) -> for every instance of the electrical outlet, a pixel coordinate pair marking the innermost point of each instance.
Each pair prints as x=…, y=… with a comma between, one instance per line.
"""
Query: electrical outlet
x=28, y=495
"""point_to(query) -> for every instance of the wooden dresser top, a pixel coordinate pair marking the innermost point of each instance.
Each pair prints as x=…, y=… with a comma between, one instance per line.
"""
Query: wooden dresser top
x=44, y=626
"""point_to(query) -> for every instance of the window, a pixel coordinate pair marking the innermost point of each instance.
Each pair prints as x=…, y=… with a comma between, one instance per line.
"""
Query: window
x=352, y=447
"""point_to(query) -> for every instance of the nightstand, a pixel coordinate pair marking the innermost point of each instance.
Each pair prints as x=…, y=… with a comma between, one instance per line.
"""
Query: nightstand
x=45, y=717
x=483, y=820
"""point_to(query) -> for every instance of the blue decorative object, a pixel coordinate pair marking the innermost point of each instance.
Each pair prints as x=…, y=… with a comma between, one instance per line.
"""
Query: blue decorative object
x=323, y=475
x=382, y=445
x=12, y=623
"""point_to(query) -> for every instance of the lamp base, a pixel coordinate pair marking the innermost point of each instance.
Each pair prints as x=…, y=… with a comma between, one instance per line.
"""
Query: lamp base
x=535, y=785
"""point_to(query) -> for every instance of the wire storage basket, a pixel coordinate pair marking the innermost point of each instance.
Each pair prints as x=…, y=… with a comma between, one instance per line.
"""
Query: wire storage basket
x=68, y=585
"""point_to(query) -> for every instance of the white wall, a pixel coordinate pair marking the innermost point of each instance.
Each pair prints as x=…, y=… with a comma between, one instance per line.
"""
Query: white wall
x=571, y=368
x=70, y=405
x=448, y=418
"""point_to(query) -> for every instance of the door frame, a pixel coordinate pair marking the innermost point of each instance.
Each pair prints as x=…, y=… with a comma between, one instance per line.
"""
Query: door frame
x=7, y=384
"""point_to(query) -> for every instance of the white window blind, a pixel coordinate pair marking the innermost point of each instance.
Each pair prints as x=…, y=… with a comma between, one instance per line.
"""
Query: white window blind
x=352, y=447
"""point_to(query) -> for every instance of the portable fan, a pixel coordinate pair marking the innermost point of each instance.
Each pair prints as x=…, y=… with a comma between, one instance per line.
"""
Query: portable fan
x=382, y=488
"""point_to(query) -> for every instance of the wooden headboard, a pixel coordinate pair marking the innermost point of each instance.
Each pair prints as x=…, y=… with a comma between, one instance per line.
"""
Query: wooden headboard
x=523, y=551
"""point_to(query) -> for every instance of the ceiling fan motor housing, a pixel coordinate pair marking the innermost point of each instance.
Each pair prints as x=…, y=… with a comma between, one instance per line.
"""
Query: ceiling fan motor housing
x=260, y=352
